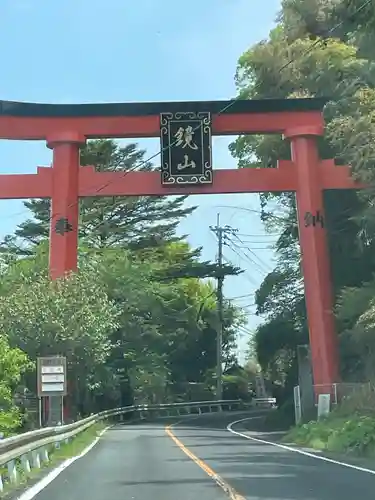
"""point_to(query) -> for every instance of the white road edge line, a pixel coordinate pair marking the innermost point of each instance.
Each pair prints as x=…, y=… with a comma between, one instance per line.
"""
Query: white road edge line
x=34, y=490
x=294, y=450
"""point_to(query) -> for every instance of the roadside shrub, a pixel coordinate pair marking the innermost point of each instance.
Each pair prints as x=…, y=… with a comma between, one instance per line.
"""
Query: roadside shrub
x=335, y=433
x=10, y=421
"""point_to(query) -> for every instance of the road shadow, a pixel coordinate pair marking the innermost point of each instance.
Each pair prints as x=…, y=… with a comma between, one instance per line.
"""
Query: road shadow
x=166, y=482
x=263, y=471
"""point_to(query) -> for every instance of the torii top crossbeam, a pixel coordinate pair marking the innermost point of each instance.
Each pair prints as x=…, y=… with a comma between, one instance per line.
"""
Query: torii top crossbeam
x=72, y=123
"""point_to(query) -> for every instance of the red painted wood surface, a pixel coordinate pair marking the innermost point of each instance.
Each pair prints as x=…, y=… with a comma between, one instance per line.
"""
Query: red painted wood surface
x=248, y=180
x=315, y=263
x=63, y=254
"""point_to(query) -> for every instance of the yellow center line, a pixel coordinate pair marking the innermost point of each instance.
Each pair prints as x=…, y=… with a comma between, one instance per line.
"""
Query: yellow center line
x=229, y=490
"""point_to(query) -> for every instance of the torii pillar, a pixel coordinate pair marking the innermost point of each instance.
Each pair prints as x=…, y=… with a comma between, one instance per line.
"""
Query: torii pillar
x=64, y=203
x=315, y=255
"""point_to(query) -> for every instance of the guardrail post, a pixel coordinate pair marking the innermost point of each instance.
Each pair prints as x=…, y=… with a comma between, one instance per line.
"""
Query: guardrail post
x=44, y=454
x=12, y=471
x=1, y=483
x=35, y=459
x=26, y=464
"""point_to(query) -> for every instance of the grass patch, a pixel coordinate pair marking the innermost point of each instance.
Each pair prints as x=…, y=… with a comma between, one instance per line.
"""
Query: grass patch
x=337, y=433
x=56, y=456
x=79, y=443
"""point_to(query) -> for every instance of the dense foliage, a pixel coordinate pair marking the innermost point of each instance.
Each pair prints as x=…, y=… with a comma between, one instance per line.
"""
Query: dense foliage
x=341, y=435
x=349, y=428
x=318, y=48
x=137, y=323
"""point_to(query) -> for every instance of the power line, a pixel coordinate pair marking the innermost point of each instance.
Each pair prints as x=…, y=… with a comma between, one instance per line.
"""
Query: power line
x=244, y=256
x=246, y=306
x=262, y=264
x=240, y=296
x=265, y=235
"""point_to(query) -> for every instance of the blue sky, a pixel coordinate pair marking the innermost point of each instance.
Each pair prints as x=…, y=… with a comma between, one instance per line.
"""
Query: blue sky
x=117, y=51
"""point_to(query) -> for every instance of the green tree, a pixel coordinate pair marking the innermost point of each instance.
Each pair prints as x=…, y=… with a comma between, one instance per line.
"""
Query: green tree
x=72, y=317
x=167, y=329
x=305, y=56
x=126, y=334
x=13, y=364
x=116, y=221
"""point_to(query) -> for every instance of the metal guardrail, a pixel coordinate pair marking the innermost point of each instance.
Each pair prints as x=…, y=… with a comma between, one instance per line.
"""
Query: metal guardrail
x=31, y=449
x=265, y=402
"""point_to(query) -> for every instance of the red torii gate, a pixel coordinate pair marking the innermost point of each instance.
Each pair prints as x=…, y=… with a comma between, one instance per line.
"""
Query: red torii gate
x=65, y=128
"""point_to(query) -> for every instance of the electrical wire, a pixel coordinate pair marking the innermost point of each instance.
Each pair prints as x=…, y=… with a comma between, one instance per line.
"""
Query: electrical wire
x=277, y=218
x=248, y=305
x=261, y=267
x=245, y=274
x=262, y=263
x=253, y=264
x=271, y=235
x=253, y=210
x=241, y=296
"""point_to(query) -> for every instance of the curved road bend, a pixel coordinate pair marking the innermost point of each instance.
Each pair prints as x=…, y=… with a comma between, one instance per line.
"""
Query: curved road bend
x=143, y=462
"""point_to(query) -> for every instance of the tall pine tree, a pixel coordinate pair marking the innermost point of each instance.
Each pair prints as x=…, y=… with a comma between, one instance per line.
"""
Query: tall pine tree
x=140, y=223
x=108, y=222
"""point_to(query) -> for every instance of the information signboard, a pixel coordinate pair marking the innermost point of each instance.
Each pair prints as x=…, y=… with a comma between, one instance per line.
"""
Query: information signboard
x=52, y=376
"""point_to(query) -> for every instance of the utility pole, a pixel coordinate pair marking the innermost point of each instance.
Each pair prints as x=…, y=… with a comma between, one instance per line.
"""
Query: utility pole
x=220, y=232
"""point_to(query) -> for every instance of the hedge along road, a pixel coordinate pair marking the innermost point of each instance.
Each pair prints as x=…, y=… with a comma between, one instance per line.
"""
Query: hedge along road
x=211, y=457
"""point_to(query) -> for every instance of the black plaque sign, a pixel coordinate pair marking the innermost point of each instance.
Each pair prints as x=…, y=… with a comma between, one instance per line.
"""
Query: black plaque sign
x=186, y=155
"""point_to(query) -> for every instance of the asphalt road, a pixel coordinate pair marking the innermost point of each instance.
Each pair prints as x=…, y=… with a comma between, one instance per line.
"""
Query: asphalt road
x=143, y=462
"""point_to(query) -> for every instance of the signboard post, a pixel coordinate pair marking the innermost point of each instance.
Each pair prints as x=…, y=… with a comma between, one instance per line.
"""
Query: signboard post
x=186, y=153
x=297, y=405
x=52, y=383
